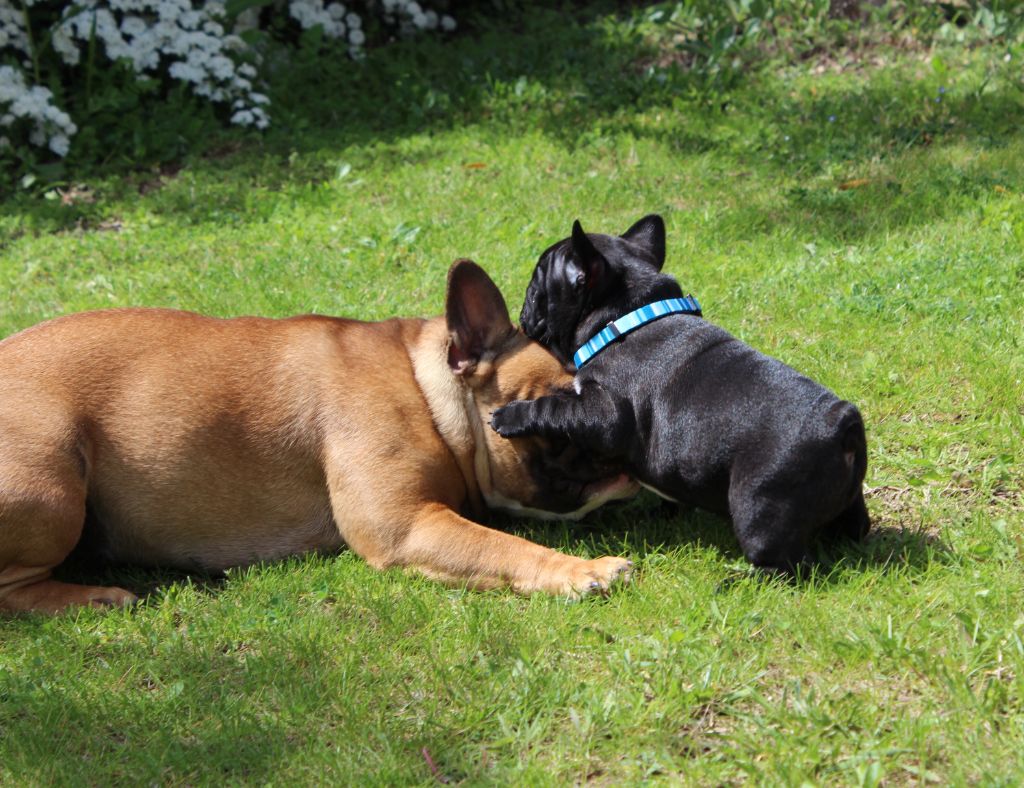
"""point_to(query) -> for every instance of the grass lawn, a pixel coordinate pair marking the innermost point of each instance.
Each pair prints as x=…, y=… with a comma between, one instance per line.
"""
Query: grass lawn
x=834, y=215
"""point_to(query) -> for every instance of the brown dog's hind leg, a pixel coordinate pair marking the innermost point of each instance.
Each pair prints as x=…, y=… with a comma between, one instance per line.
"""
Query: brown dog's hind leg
x=30, y=589
x=42, y=511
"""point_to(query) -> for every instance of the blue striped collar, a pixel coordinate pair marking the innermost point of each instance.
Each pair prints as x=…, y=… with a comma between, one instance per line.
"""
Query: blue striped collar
x=633, y=321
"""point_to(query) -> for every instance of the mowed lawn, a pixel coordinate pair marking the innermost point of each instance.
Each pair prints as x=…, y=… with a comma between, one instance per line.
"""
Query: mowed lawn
x=840, y=219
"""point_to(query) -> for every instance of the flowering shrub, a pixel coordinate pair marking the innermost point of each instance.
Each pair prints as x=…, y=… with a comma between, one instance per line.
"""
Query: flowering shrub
x=32, y=107
x=54, y=55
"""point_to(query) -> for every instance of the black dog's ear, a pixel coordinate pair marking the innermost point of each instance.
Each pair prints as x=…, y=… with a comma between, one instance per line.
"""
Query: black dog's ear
x=593, y=268
x=476, y=315
x=649, y=234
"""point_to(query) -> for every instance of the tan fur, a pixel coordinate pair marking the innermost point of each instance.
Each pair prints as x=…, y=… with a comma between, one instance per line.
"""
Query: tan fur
x=203, y=443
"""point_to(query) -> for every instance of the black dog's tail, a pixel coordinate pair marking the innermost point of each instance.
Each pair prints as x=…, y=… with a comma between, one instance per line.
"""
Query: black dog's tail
x=852, y=521
x=854, y=444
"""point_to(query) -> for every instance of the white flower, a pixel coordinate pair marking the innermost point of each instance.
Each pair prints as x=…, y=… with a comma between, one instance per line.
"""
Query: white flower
x=60, y=144
x=33, y=105
x=190, y=20
x=133, y=26
x=247, y=20
x=12, y=28
x=310, y=13
x=185, y=72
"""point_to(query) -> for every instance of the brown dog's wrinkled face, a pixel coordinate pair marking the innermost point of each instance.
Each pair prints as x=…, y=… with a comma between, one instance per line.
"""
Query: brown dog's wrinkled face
x=500, y=364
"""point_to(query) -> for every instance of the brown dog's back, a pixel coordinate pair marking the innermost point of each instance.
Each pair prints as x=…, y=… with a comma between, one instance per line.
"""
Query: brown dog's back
x=186, y=403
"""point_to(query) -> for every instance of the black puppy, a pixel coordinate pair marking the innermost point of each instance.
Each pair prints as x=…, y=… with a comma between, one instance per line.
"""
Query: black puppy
x=697, y=415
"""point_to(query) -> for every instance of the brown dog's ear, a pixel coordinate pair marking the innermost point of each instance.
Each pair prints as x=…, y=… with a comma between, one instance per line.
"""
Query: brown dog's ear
x=476, y=314
x=592, y=268
x=649, y=235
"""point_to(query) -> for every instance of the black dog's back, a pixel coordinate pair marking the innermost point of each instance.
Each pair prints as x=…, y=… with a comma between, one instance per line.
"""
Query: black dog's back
x=725, y=427
x=696, y=414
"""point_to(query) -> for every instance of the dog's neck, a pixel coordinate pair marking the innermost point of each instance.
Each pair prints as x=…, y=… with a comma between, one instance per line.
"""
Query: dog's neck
x=633, y=293
x=453, y=410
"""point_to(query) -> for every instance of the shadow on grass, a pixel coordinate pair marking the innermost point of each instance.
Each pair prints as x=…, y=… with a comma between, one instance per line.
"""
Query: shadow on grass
x=590, y=72
x=649, y=527
x=643, y=528
x=150, y=725
x=577, y=78
x=144, y=582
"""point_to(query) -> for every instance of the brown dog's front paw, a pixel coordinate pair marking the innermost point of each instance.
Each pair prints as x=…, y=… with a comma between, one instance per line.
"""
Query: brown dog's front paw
x=599, y=575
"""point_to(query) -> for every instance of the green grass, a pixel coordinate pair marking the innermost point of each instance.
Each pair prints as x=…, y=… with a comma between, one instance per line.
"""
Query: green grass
x=901, y=660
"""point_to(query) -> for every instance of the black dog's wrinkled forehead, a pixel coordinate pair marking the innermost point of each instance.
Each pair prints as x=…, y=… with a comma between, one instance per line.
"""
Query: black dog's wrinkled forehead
x=583, y=276
x=562, y=259
x=553, y=269
x=564, y=262
x=560, y=267
x=552, y=297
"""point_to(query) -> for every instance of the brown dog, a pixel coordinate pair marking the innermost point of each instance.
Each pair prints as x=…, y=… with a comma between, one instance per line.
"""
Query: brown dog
x=203, y=443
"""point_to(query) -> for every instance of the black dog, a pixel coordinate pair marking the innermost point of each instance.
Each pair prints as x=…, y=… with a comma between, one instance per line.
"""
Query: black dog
x=696, y=415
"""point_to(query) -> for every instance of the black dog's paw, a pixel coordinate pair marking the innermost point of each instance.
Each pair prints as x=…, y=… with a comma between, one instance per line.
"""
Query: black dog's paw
x=510, y=421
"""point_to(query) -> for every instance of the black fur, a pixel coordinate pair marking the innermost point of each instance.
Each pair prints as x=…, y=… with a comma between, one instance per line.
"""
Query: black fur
x=695, y=414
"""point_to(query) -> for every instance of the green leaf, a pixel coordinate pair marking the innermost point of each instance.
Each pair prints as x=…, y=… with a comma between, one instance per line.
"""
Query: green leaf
x=235, y=7
x=311, y=39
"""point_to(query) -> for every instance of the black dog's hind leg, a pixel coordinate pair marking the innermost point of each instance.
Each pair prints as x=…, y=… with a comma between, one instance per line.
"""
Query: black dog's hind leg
x=594, y=419
x=853, y=522
x=767, y=537
x=767, y=524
